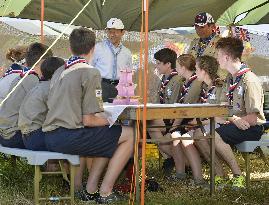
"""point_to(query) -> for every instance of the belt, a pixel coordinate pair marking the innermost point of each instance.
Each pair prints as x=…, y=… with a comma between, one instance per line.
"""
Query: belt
x=112, y=82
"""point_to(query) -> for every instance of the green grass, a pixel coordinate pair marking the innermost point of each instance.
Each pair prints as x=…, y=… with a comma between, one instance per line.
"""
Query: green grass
x=16, y=187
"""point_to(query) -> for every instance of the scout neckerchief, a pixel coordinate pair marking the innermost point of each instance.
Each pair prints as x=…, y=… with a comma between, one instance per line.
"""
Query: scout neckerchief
x=74, y=60
x=16, y=68
x=164, y=84
x=205, y=94
x=244, y=69
x=203, y=43
x=186, y=87
x=203, y=99
x=115, y=54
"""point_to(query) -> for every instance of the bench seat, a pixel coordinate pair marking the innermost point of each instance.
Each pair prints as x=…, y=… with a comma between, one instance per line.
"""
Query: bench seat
x=39, y=158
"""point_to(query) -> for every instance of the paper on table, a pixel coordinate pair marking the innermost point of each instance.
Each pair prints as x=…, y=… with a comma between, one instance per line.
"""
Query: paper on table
x=112, y=112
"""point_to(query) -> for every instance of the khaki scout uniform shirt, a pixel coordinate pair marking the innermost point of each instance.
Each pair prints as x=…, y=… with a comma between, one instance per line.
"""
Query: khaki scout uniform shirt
x=210, y=50
x=171, y=91
x=74, y=92
x=9, y=111
x=193, y=94
x=34, y=109
x=248, y=97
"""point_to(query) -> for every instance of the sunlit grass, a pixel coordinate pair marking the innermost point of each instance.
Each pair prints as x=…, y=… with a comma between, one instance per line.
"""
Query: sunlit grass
x=16, y=187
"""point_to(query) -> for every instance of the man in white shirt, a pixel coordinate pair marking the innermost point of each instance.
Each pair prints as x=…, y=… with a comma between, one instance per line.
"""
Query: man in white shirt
x=110, y=56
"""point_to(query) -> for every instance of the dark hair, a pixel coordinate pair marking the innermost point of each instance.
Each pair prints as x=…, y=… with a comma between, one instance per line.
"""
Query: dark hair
x=16, y=54
x=188, y=61
x=49, y=66
x=166, y=55
x=231, y=46
x=35, y=51
x=209, y=64
x=81, y=40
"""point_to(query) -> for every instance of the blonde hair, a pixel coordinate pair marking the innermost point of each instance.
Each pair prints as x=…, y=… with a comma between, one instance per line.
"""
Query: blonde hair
x=16, y=54
x=188, y=61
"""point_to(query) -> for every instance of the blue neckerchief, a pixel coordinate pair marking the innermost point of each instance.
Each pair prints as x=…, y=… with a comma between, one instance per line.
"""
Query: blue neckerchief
x=74, y=60
x=165, y=81
x=204, y=95
x=186, y=86
x=203, y=43
x=115, y=55
x=22, y=70
x=243, y=69
x=14, y=68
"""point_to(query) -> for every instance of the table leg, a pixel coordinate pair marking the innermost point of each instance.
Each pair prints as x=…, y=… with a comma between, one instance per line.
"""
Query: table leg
x=212, y=155
x=36, y=184
x=136, y=163
x=72, y=183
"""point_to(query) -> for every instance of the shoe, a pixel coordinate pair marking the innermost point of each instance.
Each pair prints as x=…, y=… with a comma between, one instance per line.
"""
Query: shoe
x=83, y=195
x=152, y=185
x=113, y=197
x=220, y=182
x=188, y=170
x=238, y=182
x=168, y=166
x=177, y=177
x=201, y=183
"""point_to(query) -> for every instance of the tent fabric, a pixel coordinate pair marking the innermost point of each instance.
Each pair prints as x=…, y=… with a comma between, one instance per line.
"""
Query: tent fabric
x=257, y=15
x=162, y=13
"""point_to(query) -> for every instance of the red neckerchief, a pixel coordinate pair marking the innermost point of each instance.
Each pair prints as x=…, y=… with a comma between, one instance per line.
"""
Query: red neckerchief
x=74, y=60
x=204, y=95
x=22, y=70
x=244, y=69
x=186, y=87
x=164, y=83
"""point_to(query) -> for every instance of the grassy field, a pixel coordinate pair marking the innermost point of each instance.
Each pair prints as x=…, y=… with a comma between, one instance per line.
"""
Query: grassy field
x=16, y=187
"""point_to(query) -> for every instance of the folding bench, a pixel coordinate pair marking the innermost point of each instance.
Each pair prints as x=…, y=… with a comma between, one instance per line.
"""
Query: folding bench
x=37, y=159
x=247, y=147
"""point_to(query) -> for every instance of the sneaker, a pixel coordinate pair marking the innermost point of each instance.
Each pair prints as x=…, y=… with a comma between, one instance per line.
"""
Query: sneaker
x=220, y=182
x=201, y=183
x=177, y=177
x=83, y=195
x=113, y=197
x=238, y=182
x=168, y=166
x=188, y=170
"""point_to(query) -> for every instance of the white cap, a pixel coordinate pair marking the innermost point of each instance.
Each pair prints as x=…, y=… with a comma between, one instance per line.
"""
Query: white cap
x=115, y=23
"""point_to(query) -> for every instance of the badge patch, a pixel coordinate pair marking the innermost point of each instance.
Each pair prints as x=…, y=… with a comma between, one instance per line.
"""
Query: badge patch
x=240, y=90
x=212, y=96
x=98, y=93
x=169, y=92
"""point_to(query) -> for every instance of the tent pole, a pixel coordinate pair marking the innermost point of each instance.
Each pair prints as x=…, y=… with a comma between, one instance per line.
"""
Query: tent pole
x=42, y=21
x=146, y=7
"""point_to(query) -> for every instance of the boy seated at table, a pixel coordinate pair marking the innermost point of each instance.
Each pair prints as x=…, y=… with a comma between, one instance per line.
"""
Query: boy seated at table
x=34, y=109
x=10, y=134
x=74, y=123
x=168, y=93
x=246, y=96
